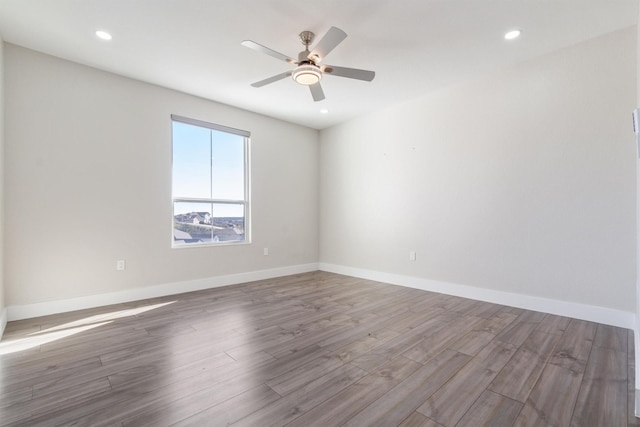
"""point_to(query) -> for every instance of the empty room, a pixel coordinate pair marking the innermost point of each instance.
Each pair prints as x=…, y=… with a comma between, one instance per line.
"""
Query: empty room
x=319, y=213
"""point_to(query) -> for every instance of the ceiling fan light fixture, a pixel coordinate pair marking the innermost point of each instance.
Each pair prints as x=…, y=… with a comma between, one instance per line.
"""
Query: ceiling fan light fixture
x=307, y=75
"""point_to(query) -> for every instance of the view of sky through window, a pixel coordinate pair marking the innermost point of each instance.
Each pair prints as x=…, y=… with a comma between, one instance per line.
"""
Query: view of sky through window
x=207, y=164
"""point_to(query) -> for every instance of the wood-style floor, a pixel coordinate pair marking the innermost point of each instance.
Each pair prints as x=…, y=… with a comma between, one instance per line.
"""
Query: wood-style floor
x=315, y=349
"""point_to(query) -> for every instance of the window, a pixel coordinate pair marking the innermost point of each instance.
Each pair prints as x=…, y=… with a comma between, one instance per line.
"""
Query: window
x=210, y=183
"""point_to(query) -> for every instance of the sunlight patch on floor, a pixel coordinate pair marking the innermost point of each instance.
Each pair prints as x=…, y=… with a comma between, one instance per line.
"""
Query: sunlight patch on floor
x=65, y=330
x=14, y=346
x=104, y=317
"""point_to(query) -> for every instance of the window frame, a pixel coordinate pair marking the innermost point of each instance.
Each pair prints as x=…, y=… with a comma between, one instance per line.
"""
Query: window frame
x=247, y=187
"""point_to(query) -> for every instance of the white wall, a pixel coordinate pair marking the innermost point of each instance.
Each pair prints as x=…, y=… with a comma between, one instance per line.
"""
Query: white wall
x=3, y=311
x=521, y=182
x=88, y=174
x=637, y=319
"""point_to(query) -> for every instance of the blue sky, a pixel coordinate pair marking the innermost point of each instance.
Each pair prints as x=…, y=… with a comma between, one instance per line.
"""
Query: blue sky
x=207, y=164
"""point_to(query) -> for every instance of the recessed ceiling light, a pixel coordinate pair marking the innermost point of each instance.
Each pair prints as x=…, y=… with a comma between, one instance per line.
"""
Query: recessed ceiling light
x=324, y=111
x=103, y=35
x=513, y=34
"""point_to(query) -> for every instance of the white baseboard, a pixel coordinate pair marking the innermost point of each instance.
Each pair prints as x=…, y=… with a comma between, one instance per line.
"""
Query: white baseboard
x=597, y=314
x=27, y=311
x=3, y=321
x=607, y=316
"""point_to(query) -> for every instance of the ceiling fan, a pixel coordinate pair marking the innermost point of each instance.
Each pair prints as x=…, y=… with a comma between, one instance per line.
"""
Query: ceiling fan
x=309, y=70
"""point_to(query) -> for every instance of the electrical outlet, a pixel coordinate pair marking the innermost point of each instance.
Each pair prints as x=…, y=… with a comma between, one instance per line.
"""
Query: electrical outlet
x=412, y=255
x=265, y=251
x=120, y=265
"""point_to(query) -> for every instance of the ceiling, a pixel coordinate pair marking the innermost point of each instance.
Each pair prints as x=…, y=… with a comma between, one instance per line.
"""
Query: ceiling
x=414, y=46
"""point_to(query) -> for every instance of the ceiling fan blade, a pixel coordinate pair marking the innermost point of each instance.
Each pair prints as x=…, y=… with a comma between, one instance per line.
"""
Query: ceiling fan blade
x=271, y=79
x=317, y=92
x=256, y=46
x=352, y=73
x=327, y=43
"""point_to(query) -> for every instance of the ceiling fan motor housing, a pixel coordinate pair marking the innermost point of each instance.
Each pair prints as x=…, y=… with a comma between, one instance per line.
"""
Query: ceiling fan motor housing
x=303, y=58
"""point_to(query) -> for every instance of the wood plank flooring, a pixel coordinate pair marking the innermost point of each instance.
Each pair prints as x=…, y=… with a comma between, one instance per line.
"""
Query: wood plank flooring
x=315, y=349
